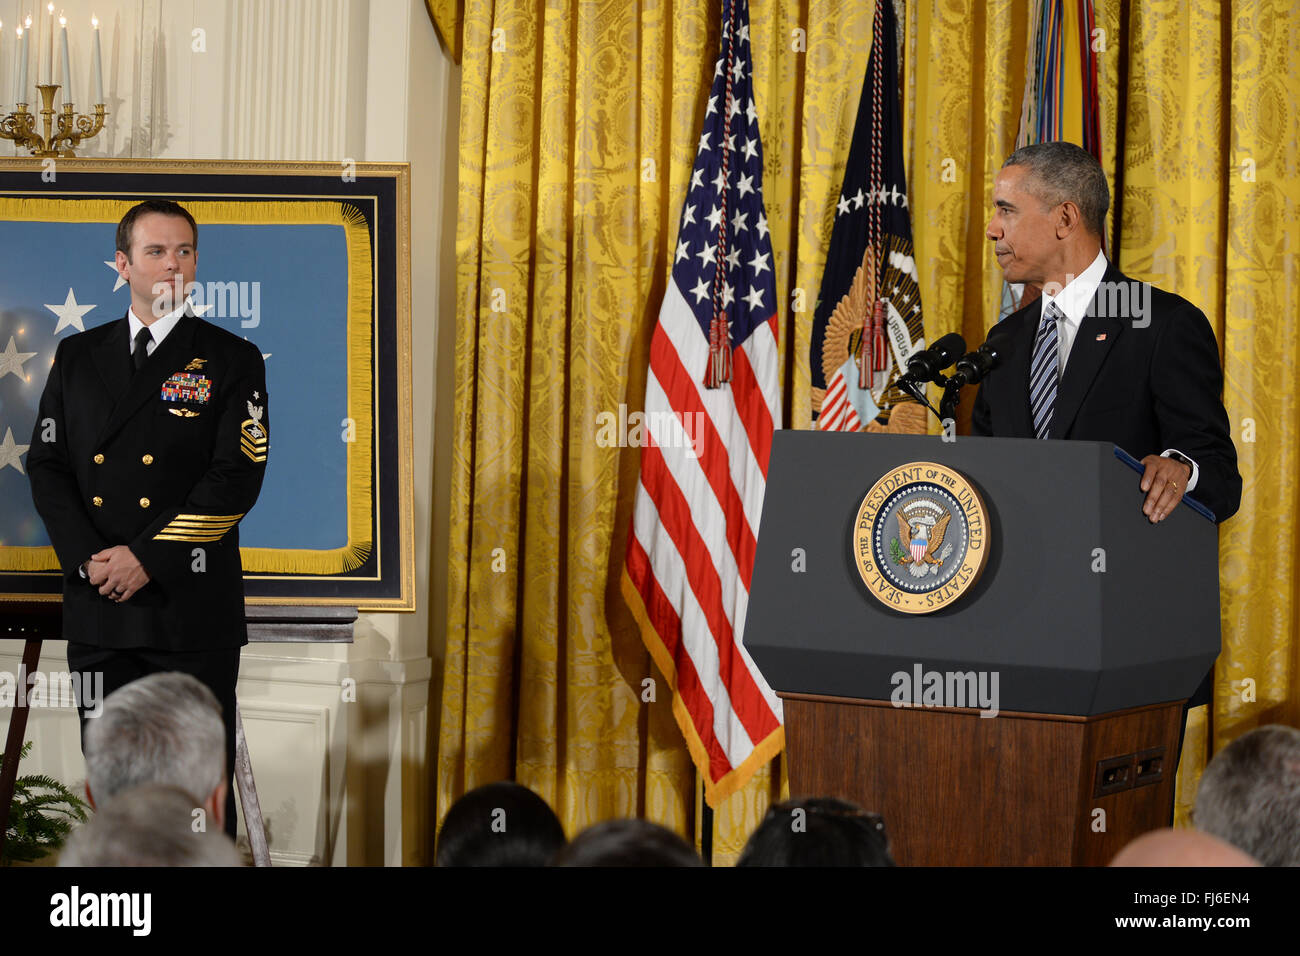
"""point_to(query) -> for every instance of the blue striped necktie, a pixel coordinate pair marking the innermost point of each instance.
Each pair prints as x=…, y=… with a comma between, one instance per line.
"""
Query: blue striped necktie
x=1044, y=373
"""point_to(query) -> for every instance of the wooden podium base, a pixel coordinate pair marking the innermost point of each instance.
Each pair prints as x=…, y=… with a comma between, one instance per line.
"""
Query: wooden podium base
x=957, y=789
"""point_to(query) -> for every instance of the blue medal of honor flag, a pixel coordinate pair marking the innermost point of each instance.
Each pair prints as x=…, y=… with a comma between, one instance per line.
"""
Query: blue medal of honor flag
x=273, y=282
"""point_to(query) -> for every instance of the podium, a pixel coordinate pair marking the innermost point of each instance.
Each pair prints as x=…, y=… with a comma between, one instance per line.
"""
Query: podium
x=1086, y=631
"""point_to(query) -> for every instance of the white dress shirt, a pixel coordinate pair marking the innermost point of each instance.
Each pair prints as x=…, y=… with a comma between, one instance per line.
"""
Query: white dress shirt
x=1073, y=302
x=157, y=332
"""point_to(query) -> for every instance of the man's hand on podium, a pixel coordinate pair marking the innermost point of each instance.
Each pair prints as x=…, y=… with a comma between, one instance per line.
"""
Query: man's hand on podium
x=1165, y=482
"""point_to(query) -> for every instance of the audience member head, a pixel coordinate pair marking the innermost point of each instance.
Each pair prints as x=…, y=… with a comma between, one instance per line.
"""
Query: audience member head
x=1250, y=795
x=1180, y=848
x=165, y=728
x=628, y=843
x=499, y=824
x=818, y=831
x=149, y=825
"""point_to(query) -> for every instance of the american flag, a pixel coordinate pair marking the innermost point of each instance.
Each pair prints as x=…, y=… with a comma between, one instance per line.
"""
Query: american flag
x=713, y=399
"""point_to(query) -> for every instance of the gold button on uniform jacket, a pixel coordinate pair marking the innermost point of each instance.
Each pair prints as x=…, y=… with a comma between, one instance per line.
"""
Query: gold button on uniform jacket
x=165, y=460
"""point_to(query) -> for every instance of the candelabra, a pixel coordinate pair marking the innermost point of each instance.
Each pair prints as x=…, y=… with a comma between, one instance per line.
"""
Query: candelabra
x=70, y=129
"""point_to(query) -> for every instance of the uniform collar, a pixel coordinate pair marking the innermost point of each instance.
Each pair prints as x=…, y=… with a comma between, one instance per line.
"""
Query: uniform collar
x=160, y=328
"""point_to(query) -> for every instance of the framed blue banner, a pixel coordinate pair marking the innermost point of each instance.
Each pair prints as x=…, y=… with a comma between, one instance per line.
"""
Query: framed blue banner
x=309, y=261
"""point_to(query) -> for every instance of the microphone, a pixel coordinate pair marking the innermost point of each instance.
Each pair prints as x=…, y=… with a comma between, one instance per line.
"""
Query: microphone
x=925, y=366
x=974, y=366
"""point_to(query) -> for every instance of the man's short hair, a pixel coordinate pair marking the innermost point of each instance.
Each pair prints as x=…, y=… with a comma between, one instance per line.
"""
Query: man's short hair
x=817, y=831
x=164, y=206
x=164, y=728
x=151, y=825
x=1061, y=171
x=1249, y=795
x=499, y=824
x=628, y=843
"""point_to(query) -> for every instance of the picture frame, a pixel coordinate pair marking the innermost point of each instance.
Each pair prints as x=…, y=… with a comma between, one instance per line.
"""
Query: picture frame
x=310, y=260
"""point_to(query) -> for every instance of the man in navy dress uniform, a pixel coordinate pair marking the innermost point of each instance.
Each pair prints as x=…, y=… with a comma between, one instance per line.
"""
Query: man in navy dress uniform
x=150, y=445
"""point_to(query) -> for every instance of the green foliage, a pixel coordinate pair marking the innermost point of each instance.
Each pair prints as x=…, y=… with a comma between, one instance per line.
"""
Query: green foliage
x=41, y=816
x=896, y=551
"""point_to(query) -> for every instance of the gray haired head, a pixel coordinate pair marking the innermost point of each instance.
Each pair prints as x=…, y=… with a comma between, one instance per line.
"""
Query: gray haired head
x=164, y=728
x=152, y=825
x=1063, y=171
x=1249, y=795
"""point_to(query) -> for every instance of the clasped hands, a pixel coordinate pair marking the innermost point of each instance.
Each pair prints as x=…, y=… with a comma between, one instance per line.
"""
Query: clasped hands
x=1165, y=482
x=116, y=573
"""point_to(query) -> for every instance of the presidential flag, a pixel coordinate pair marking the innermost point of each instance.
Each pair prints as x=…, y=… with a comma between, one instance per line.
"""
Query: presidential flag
x=712, y=400
x=867, y=321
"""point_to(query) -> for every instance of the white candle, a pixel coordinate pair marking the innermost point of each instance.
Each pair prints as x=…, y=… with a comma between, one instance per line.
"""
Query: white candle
x=40, y=50
x=49, y=64
x=99, y=65
x=22, y=62
x=67, y=64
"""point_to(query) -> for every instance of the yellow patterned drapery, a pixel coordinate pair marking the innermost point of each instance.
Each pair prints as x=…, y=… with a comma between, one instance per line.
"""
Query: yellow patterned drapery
x=1211, y=209
x=578, y=127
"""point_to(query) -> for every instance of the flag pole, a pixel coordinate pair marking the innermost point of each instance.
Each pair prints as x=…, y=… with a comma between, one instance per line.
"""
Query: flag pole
x=706, y=823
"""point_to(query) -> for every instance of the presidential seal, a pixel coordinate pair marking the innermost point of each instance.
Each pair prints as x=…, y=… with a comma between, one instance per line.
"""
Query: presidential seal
x=921, y=537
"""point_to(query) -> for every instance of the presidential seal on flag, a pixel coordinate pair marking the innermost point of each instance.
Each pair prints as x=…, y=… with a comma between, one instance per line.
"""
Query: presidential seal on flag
x=921, y=537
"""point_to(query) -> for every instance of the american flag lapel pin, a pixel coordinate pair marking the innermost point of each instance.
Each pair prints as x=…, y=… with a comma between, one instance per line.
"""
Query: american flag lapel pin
x=1101, y=337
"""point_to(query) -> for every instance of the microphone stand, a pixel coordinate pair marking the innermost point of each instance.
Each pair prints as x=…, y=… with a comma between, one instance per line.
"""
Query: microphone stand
x=947, y=404
x=917, y=392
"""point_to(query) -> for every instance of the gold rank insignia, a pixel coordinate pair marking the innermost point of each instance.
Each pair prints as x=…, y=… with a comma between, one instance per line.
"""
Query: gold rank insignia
x=196, y=365
x=253, y=437
x=195, y=527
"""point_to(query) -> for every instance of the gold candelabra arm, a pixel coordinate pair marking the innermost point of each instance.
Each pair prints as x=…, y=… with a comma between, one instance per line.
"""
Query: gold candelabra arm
x=64, y=131
x=88, y=126
x=19, y=126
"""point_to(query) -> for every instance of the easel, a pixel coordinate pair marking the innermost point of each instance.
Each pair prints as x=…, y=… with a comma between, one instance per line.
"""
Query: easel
x=28, y=621
x=39, y=622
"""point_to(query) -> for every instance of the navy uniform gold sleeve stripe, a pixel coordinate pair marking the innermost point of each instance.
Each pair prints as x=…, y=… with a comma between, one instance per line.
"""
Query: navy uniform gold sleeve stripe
x=192, y=527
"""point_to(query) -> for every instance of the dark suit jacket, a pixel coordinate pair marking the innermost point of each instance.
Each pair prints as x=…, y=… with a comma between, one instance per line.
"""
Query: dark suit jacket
x=166, y=461
x=1143, y=382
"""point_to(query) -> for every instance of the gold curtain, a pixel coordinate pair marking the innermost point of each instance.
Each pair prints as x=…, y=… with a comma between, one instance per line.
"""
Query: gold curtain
x=578, y=128
x=1211, y=209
